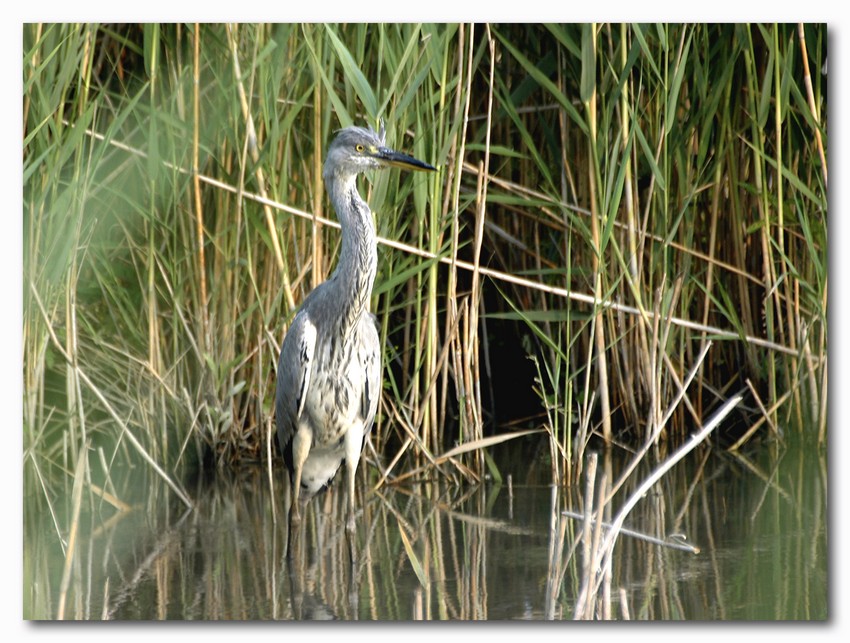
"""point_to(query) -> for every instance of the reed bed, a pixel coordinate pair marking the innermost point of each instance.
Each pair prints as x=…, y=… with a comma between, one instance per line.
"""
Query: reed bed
x=619, y=208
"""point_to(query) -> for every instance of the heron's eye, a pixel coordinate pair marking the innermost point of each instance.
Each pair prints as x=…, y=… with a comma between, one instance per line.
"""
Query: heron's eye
x=359, y=147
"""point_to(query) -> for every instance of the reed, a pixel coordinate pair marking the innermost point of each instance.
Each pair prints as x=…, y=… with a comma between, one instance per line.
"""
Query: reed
x=611, y=199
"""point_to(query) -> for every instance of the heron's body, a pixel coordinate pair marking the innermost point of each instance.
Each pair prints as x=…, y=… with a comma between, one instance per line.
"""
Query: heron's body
x=328, y=378
x=327, y=388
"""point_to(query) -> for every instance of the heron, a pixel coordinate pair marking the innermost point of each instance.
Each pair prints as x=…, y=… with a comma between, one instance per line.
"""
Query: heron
x=329, y=374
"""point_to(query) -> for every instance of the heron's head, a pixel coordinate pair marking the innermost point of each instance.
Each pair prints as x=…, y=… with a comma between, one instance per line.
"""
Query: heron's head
x=357, y=149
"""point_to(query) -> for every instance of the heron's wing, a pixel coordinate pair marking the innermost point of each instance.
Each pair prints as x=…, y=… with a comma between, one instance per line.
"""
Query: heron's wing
x=293, y=375
x=372, y=366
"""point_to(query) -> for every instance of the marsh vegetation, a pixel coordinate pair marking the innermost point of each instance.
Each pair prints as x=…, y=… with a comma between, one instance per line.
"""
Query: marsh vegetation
x=628, y=230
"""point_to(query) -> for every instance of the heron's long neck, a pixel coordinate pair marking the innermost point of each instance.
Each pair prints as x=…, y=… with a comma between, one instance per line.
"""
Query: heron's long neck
x=354, y=275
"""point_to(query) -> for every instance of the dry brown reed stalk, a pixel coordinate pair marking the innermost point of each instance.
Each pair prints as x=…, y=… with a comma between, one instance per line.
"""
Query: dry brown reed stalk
x=71, y=548
x=452, y=198
x=639, y=535
x=472, y=362
x=316, y=230
x=766, y=415
x=196, y=184
x=810, y=96
x=251, y=141
x=588, y=566
x=557, y=563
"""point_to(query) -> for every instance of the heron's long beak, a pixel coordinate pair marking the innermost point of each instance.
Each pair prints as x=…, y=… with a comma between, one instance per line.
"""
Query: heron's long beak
x=398, y=159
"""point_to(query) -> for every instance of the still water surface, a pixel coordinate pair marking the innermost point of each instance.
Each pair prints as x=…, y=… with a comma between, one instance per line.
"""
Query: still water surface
x=432, y=551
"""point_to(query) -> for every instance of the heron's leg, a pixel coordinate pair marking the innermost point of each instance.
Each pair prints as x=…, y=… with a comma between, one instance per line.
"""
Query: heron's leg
x=350, y=526
x=287, y=510
x=300, y=450
x=350, y=474
x=353, y=446
x=301, y=443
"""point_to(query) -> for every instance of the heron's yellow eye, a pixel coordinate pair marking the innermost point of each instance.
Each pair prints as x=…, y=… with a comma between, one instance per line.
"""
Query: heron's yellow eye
x=359, y=147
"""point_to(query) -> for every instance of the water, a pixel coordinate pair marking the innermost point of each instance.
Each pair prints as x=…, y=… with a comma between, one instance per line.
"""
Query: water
x=432, y=551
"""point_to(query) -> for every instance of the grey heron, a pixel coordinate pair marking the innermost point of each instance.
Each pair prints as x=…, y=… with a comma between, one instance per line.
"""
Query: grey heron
x=328, y=377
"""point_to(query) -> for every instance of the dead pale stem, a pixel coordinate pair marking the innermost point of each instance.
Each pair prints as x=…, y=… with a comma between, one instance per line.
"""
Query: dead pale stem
x=429, y=401
x=631, y=190
x=415, y=399
x=665, y=341
x=764, y=411
x=598, y=576
x=639, y=535
x=553, y=554
x=771, y=411
x=470, y=362
x=76, y=416
x=317, y=182
x=805, y=356
x=124, y=428
x=607, y=546
x=715, y=331
x=459, y=341
x=631, y=228
x=270, y=435
x=560, y=567
x=70, y=551
x=605, y=607
x=807, y=81
x=763, y=201
x=119, y=504
x=251, y=135
x=651, y=439
x=482, y=443
x=603, y=602
x=481, y=202
x=196, y=184
x=457, y=152
x=654, y=371
x=787, y=331
x=588, y=559
x=456, y=342
x=414, y=388
x=154, y=348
